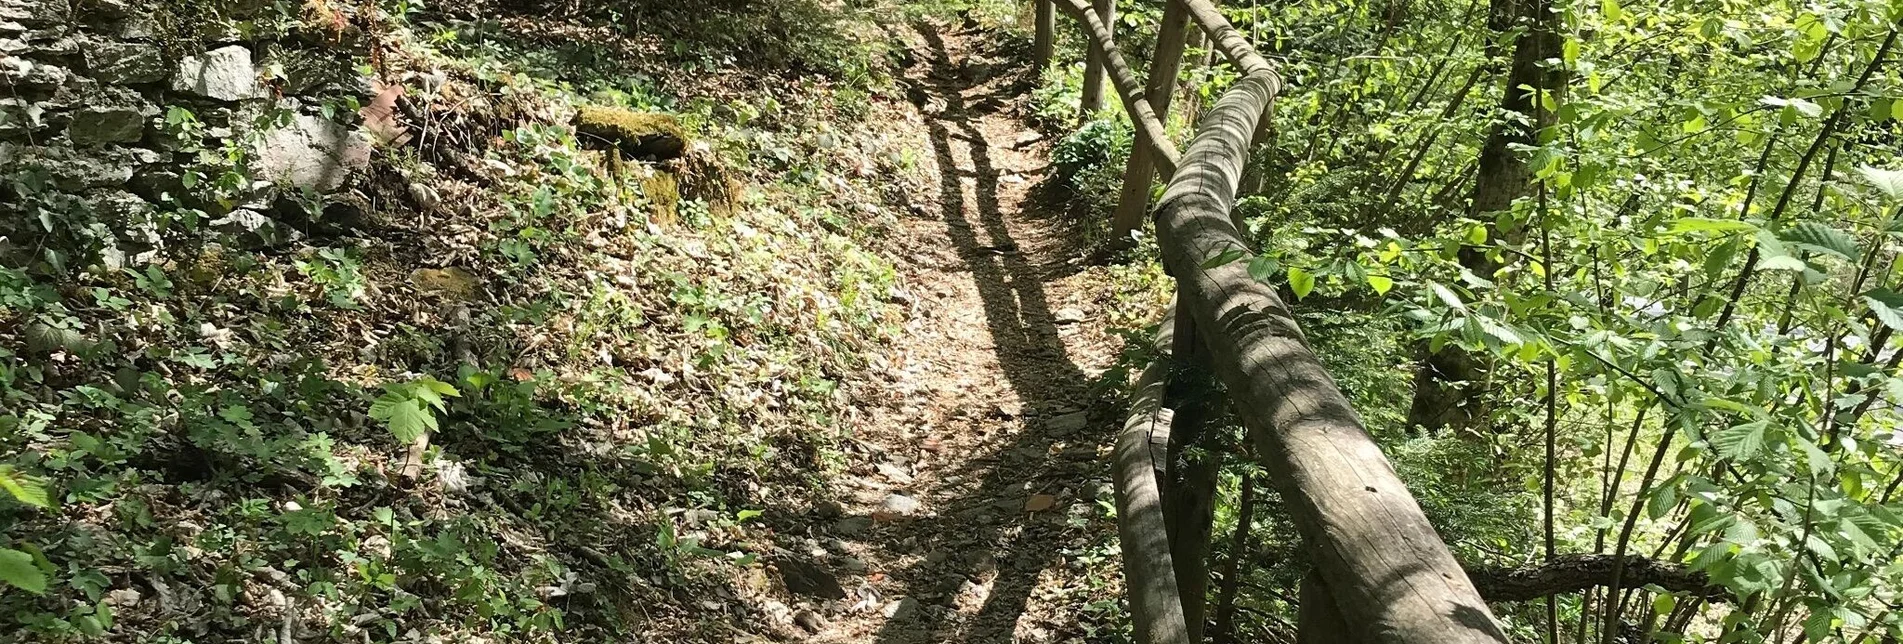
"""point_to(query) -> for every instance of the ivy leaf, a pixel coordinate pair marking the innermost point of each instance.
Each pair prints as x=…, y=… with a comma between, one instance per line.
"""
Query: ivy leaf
x=1887, y=305
x=1300, y=281
x=16, y=567
x=1888, y=181
x=1741, y=441
x=1818, y=237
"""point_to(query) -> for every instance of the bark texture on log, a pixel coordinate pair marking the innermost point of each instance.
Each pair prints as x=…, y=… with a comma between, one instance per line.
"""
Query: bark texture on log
x=1156, y=604
x=1391, y=574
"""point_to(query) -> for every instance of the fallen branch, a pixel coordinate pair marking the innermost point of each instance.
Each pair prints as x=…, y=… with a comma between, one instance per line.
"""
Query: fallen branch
x=1573, y=573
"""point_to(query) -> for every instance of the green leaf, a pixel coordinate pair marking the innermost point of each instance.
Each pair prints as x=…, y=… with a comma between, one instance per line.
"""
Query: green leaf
x=1301, y=282
x=1783, y=263
x=1708, y=224
x=1887, y=305
x=24, y=488
x=1224, y=258
x=1263, y=267
x=1380, y=283
x=1818, y=237
x=1888, y=181
x=406, y=416
x=17, y=568
x=1741, y=441
x=1610, y=10
x=1448, y=296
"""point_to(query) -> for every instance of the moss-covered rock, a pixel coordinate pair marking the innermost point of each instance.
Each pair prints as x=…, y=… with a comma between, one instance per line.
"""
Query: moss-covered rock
x=643, y=135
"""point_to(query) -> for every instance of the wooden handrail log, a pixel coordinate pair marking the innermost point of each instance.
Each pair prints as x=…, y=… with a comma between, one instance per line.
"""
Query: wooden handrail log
x=1149, y=127
x=1156, y=602
x=1229, y=41
x=1391, y=575
x=1573, y=573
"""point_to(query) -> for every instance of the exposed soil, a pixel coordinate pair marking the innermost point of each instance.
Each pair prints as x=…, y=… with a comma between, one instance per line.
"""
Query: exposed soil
x=991, y=429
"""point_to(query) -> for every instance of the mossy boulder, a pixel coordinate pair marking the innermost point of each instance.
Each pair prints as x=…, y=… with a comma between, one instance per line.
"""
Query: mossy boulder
x=642, y=135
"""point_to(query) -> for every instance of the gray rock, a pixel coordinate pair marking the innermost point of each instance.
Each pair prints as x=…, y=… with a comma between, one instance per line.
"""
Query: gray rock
x=852, y=525
x=35, y=12
x=1068, y=315
x=252, y=230
x=117, y=115
x=807, y=578
x=105, y=9
x=117, y=206
x=899, y=504
x=124, y=63
x=17, y=73
x=1069, y=422
x=74, y=170
x=225, y=74
x=902, y=608
x=19, y=118
x=311, y=153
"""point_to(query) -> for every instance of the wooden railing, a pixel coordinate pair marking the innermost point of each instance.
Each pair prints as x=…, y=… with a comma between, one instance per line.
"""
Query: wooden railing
x=1380, y=571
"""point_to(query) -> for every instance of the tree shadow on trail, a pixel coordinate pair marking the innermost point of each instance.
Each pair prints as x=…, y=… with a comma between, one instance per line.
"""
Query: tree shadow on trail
x=985, y=531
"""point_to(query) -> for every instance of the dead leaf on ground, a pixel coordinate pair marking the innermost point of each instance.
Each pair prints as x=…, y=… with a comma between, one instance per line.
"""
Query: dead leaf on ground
x=1039, y=503
x=379, y=117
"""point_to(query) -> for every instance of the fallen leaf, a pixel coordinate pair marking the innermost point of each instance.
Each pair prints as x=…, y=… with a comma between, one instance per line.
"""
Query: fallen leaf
x=521, y=375
x=379, y=117
x=1039, y=503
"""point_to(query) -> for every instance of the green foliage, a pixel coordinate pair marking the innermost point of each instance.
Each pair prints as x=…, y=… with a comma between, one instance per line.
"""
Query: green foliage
x=409, y=409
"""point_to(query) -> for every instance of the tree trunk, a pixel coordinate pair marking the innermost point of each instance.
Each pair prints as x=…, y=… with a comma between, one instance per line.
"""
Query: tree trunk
x=1450, y=386
x=1094, y=74
x=1134, y=201
x=1190, y=493
x=1044, y=44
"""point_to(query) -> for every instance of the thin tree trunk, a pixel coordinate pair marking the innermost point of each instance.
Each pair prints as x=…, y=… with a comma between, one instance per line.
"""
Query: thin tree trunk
x=1232, y=569
x=1449, y=392
x=1189, y=496
x=1044, y=44
x=1094, y=73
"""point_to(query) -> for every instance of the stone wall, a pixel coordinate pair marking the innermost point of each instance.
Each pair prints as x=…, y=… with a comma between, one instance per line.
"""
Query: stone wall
x=92, y=96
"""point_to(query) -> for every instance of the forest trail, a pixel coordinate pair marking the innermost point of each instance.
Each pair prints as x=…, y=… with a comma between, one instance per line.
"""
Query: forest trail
x=985, y=468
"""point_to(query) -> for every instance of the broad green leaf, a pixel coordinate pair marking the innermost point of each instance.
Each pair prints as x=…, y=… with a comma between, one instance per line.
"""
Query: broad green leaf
x=1887, y=306
x=1300, y=281
x=1888, y=181
x=1818, y=237
x=439, y=386
x=1263, y=267
x=1448, y=296
x=23, y=488
x=17, y=568
x=1380, y=283
x=1610, y=10
x=1817, y=627
x=1709, y=224
x=1783, y=263
x=1740, y=441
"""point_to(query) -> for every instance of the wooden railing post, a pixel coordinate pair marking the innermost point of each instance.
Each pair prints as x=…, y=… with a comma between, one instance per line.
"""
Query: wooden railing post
x=1156, y=603
x=1044, y=43
x=1092, y=99
x=1189, y=491
x=1318, y=620
x=1134, y=200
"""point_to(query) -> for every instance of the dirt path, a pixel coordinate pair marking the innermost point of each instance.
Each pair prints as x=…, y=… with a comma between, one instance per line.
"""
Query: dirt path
x=980, y=482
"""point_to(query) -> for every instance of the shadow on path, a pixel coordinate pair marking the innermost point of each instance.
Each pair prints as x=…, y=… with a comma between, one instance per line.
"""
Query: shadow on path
x=996, y=540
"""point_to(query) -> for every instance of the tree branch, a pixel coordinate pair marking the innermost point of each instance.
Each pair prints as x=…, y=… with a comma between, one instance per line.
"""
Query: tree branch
x=1571, y=573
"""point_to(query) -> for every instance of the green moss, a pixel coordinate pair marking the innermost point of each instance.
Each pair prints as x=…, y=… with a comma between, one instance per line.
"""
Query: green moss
x=642, y=134
x=663, y=191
